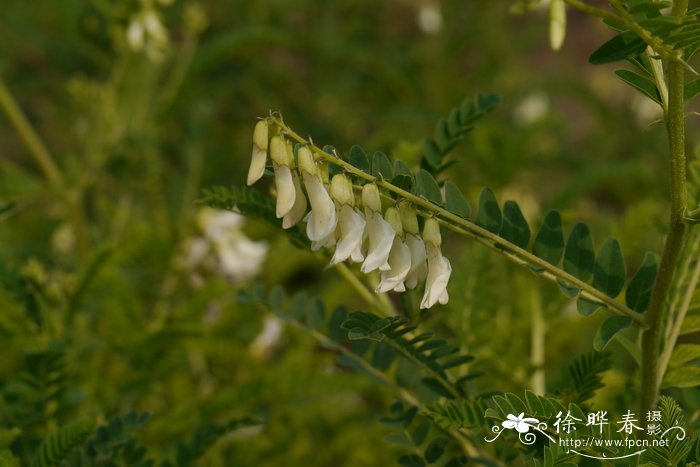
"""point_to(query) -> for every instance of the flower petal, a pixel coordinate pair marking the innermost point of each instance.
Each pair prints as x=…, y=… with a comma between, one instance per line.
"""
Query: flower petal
x=299, y=209
x=509, y=424
x=321, y=221
x=522, y=427
x=439, y=270
x=381, y=238
x=419, y=266
x=286, y=193
x=400, y=263
x=257, y=165
x=352, y=228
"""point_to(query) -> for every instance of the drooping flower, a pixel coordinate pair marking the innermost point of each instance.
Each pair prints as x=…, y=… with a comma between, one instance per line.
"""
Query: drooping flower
x=419, y=266
x=350, y=222
x=399, y=257
x=259, y=157
x=321, y=221
x=284, y=182
x=380, y=234
x=439, y=268
x=521, y=423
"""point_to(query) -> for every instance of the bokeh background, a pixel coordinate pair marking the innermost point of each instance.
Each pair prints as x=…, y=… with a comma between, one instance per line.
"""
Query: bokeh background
x=119, y=292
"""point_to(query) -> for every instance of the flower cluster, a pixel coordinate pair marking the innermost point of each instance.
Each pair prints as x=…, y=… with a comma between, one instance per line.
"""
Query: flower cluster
x=358, y=231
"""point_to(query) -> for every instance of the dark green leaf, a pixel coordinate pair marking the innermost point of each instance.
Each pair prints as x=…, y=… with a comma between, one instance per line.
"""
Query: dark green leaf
x=6, y=207
x=641, y=83
x=442, y=136
x=410, y=460
x=567, y=289
x=489, y=215
x=405, y=182
x=691, y=89
x=587, y=307
x=640, y=287
x=549, y=243
x=457, y=361
x=608, y=329
x=420, y=433
x=435, y=449
x=455, y=202
x=359, y=159
x=381, y=166
x=399, y=439
x=609, y=271
x=432, y=153
x=515, y=228
x=620, y=47
x=400, y=168
x=427, y=187
x=383, y=356
x=437, y=387
x=335, y=329
x=315, y=315
x=579, y=258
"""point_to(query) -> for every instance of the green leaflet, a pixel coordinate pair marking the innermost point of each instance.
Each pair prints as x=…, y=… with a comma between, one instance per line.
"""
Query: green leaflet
x=641, y=83
x=691, y=89
x=640, y=287
x=691, y=324
x=684, y=353
x=585, y=374
x=489, y=215
x=685, y=377
x=549, y=243
x=514, y=227
x=578, y=255
x=455, y=202
x=620, y=47
x=57, y=447
x=587, y=307
x=427, y=187
x=358, y=158
x=381, y=166
x=609, y=270
x=608, y=329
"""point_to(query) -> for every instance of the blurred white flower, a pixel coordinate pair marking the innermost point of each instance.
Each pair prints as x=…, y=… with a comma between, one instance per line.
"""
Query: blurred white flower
x=429, y=17
x=269, y=337
x=146, y=33
x=533, y=108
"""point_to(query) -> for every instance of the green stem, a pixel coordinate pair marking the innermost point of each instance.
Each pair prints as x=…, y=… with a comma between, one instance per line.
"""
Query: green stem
x=467, y=228
x=367, y=295
x=591, y=10
x=537, y=341
x=675, y=124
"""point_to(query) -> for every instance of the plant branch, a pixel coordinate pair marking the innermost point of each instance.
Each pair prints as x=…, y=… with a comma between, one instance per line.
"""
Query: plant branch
x=467, y=228
x=675, y=125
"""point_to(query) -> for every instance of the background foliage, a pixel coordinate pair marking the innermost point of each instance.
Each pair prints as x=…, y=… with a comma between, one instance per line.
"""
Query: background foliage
x=101, y=318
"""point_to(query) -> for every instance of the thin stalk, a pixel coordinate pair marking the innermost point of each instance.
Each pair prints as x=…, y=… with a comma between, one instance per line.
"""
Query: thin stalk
x=366, y=294
x=675, y=125
x=537, y=342
x=470, y=229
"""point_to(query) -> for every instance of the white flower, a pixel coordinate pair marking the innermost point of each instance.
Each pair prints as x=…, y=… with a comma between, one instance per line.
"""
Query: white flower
x=399, y=257
x=352, y=228
x=258, y=158
x=269, y=337
x=240, y=258
x=321, y=221
x=380, y=234
x=439, y=268
x=521, y=423
x=284, y=182
x=419, y=266
x=298, y=211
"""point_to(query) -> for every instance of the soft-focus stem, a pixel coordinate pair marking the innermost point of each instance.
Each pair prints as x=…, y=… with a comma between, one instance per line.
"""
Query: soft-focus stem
x=537, y=342
x=367, y=295
x=675, y=125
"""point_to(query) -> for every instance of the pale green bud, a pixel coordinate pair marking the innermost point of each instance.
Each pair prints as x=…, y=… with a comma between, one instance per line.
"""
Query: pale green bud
x=409, y=219
x=431, y=232
x=393, y=217
x=371, y=198
x=260, y=134
x=341, y=190
x=306, y=161
x=557, y=23
x=278, y=151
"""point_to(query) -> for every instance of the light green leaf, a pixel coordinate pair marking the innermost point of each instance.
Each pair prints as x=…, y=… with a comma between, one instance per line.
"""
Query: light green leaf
x=489, y=216
x=549, y=243
x=641, y=83
x=684, y=353
x=427, y=187
x=686, y=377
x=640, y=287
x=455, y=202
x=609, y=271
x=691, y=324
x=579, y=258
x=608, y=329
x=515, y=228
x=381, y=166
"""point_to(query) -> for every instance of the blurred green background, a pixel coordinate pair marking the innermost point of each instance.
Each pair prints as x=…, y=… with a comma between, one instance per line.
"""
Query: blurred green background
x=104, y=262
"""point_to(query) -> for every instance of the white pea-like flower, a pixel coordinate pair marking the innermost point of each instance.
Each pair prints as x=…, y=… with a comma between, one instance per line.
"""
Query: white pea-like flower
x=419, y=266
x=258, y=158
x=321, y=221
x=351, y=223
x=284, y=182
x=380, y=234
x=399, y=257
x=439, y=268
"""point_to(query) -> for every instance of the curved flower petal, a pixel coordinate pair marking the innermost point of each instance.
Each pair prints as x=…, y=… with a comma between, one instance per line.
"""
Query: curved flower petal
x=400, y=263
x=257, y=165
x=439, y=270
x=352, y=228
x=522, y=427
x=419, y=266
x=509, y=424
x=286, y=192
x=321, y=221
x=326, y=242
x=299, y=209
x=381, y=238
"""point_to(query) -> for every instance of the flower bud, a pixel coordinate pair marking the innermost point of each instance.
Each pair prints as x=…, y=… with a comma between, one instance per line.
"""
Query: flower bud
x=431, y=232
x=278, y=151
x=371, y=198
x=393, y=217
x=409, y=219
x=306, y=161
x=341, y=190
x=260, y=134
